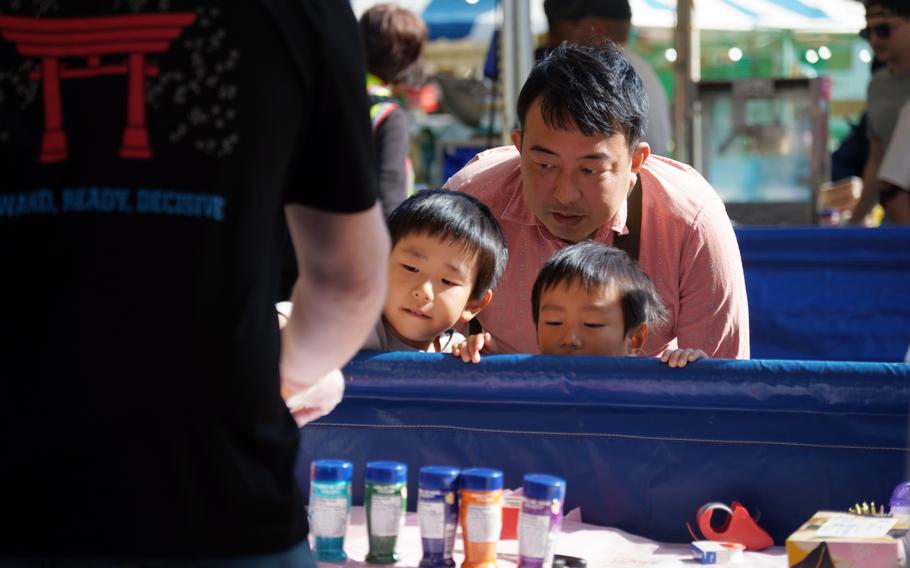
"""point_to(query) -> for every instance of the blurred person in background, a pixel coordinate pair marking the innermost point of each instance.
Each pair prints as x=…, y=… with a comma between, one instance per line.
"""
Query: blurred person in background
x=591, y=22
x=393, y=42
x=888, y=32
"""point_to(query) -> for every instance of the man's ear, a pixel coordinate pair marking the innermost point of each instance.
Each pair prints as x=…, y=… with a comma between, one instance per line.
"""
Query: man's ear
x=639, y=155
x=637, y=338
x=473, y=307
x=516, y=139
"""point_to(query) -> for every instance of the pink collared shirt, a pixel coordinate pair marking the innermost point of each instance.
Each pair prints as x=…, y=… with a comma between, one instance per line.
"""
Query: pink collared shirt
x=687, y=247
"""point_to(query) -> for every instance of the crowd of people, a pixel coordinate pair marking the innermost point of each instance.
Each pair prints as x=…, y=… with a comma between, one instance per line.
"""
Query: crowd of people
x=146, y=385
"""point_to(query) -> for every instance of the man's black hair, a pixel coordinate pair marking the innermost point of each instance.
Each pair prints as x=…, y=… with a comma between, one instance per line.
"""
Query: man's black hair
x=596, y=266
x=590, y=88
x=459, y=218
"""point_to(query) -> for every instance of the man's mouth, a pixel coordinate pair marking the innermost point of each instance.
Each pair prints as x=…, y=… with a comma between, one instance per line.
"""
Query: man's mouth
x=415, y=313
x=566, y=219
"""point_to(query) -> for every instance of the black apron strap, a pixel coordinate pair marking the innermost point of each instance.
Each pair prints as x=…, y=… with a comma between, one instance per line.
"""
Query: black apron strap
x=631, y=242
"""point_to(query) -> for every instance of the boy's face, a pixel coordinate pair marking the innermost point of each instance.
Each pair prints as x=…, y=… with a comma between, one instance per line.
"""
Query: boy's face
x=574, y=321
x=430, y=283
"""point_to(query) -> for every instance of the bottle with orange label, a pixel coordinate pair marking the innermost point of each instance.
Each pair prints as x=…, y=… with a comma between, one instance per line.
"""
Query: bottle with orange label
x=481, y=516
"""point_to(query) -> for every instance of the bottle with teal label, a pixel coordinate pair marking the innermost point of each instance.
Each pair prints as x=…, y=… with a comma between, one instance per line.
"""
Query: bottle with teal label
x=330, y=506
x=385, y=499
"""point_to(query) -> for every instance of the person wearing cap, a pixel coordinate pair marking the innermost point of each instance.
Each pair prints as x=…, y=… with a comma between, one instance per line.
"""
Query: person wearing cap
x=888, y=31
x=591, y=22
x=578, y=171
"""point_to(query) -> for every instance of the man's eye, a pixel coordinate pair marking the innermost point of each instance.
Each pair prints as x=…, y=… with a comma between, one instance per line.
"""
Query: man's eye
x=546, y=167
x=409, y=268
x=588, y=171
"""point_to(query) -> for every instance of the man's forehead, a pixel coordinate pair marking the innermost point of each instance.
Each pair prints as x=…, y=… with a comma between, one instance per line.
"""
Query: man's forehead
x=541, y=134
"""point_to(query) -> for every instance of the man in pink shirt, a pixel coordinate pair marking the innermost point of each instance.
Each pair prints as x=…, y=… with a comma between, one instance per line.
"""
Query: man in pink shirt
x=577, y=157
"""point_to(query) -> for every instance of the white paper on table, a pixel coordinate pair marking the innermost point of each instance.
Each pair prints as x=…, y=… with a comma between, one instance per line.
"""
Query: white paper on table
x=856, y=527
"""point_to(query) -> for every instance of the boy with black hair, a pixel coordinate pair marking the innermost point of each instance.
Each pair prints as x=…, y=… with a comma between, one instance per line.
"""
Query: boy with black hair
x=448, y=254
x=592, y=299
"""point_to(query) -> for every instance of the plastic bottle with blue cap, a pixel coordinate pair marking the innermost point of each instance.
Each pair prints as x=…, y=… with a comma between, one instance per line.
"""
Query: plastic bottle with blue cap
x=385, y=500
x=437, y=511
x=481, y=516
x=540, y=519
x=330, y=506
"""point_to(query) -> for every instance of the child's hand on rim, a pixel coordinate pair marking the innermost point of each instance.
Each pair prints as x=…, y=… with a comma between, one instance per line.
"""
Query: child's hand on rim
x=469, y=349
x=680, y=357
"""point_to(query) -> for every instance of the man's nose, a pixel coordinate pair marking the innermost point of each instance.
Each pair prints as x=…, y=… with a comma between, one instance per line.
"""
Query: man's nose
x=565, y=190
x=423, y=292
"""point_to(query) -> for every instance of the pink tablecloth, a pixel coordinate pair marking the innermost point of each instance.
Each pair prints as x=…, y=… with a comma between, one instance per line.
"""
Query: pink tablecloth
x=601, y=547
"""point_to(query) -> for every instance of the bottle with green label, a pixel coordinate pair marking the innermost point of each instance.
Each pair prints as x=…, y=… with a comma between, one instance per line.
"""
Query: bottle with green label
x=385, y=500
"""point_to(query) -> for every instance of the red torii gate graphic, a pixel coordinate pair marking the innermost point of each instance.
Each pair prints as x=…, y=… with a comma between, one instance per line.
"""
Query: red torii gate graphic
x=133, y=35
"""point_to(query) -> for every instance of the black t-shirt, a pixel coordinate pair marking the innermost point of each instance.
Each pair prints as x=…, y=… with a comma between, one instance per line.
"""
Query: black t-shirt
x=146, y=150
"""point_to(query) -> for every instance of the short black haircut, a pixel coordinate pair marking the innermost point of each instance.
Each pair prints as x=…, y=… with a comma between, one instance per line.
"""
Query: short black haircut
x=590, y=88
x=460, y=218
x=595, y=266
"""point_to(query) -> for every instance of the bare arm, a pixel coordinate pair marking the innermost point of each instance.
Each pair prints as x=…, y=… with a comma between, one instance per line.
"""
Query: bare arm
x=869, y=196
x=342, y=261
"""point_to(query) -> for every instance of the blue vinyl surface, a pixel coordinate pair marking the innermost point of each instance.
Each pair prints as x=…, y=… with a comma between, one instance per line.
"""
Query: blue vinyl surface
x=828, y=294
x=641, y=446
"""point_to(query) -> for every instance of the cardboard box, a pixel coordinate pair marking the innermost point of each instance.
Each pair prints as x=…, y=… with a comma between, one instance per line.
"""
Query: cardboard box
x=843, y=540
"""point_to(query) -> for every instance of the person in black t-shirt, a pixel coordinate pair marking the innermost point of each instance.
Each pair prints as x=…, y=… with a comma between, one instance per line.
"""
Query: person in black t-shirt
x=149, y=151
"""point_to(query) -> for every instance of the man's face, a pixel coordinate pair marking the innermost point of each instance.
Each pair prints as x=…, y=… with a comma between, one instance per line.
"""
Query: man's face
x=573, y=183
x=897, y=43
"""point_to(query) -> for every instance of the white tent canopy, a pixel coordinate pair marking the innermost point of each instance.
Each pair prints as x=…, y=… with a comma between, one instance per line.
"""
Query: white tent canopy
x=476, y=19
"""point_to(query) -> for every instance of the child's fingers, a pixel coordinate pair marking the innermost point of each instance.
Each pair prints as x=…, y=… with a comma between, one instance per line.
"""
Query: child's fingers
x=665, y=356
x=678, y=358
